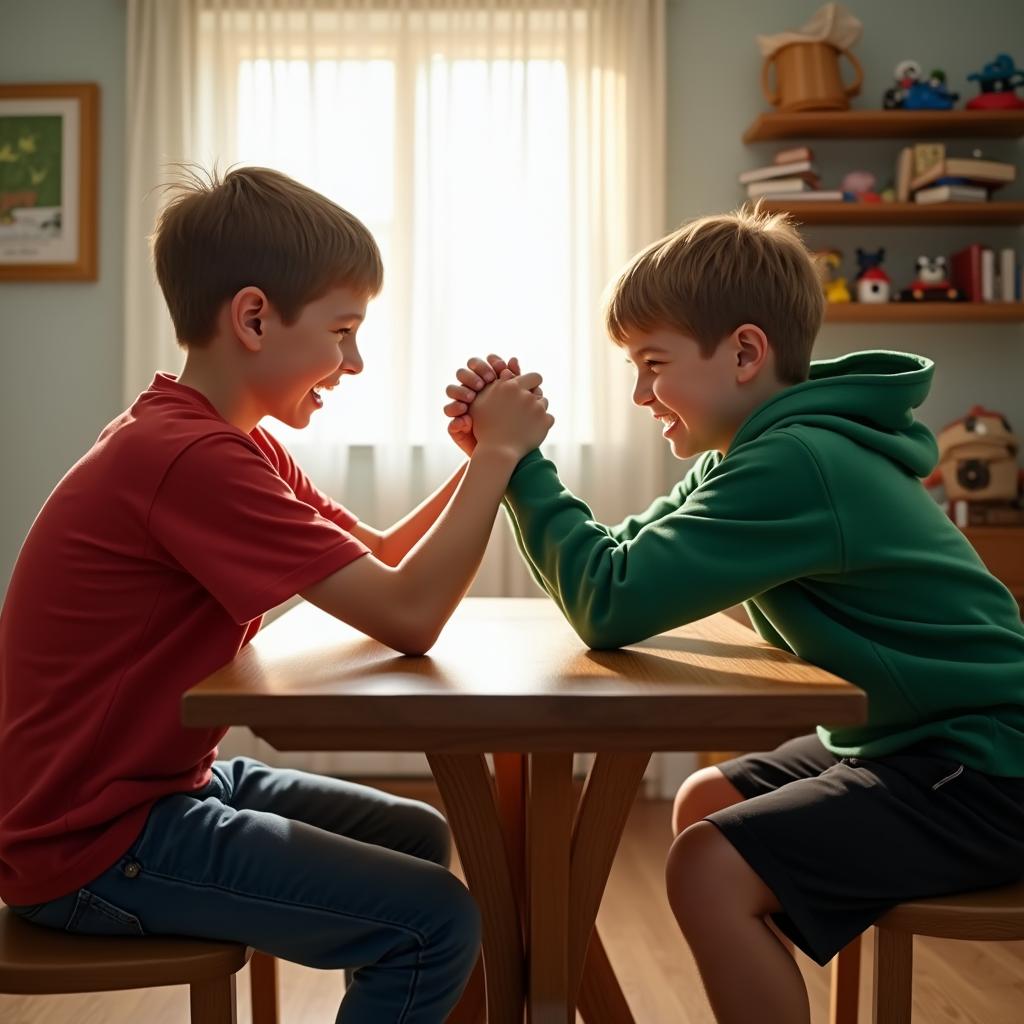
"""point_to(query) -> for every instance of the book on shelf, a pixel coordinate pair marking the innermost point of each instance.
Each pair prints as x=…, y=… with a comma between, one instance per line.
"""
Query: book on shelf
x=1007, y=275
x=952, y=194
x=821, y=195
x=965, y=266
x=978, y=513
x=904, y=172
x=988, y=274
x=777, y=171
x=992, y=173
x=780, y=186
x=926, y=155
x=985, y=276
x=793, y=155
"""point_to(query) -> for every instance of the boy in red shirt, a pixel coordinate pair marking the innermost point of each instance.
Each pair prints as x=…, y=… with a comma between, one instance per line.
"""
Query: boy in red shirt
x=150, y=566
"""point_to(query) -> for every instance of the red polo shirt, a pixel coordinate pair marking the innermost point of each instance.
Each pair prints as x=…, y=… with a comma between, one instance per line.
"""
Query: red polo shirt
x=149, y=567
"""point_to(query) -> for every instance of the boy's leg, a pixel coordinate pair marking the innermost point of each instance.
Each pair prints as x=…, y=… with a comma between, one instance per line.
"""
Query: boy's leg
x=734, y=933
x=714, y=788
x=828, y=855
x=344, y=808
x=722, y=908
x=703, y=793
x=203, y=868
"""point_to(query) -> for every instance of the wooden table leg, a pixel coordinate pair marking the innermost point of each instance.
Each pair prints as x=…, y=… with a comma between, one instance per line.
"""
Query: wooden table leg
x=599, y=820
x=603, y=811
x=467, y=790
x=510, y=780
x=472, y=1007
x=600, y=999
x=557, y=857
x=549, y=818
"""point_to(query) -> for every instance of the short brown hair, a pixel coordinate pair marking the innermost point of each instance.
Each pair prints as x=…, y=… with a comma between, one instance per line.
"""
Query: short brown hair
x=715, y=273
x=255, y=227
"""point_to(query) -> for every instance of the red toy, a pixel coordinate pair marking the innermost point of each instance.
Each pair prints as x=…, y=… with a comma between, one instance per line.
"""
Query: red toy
x=998, y=81
x=932, y=283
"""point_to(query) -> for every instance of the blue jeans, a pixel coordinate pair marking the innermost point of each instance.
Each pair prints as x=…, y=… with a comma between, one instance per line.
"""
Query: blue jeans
x=307, y=868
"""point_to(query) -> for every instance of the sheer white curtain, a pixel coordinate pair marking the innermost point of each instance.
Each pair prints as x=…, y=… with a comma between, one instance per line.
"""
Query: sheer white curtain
x=508, y=155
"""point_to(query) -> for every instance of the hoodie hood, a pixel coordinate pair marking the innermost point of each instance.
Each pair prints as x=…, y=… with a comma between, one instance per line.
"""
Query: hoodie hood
x=869, y=397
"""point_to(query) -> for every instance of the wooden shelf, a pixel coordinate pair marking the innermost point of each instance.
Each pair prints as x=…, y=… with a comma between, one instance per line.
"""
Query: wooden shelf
x=1001, y=549
x=919, y=214
x=924, y=312
x=887, y=124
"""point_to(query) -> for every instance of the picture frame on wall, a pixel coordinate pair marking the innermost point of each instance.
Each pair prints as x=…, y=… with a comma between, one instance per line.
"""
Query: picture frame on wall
x=49, y=144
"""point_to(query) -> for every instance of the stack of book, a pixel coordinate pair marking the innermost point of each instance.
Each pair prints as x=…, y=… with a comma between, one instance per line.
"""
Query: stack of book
x=983, y=275
x=791, y=175
x=925, y=173
x=975, y=513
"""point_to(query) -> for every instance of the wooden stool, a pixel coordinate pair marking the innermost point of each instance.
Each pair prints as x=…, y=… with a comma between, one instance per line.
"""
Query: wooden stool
x=35, y=961
x=988, y=915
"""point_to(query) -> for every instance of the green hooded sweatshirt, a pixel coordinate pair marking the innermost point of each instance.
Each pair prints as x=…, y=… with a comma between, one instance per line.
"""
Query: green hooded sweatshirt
x=817, y=520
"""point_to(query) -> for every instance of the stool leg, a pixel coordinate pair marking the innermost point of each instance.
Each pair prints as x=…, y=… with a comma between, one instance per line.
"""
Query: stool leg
x=263, y=985
x=845, y=984
x=894, y=976
x=213, y=1002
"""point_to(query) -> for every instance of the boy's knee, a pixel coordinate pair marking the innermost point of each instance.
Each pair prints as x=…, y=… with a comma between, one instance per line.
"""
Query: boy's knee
x=706, y=875
x=427, y=832
x=457, y=922
x=703, y=793
x=690, y=867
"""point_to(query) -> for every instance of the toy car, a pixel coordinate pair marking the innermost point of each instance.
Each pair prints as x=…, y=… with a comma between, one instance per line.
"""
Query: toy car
x=931, y=284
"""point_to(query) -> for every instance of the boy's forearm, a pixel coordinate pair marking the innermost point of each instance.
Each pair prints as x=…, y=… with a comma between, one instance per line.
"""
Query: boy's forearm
x=438, y=570
x=403, y=536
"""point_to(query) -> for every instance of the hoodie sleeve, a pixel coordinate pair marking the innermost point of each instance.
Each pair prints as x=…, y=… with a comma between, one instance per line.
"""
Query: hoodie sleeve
x=661, y=507
x=631, y=525
x=760, y=517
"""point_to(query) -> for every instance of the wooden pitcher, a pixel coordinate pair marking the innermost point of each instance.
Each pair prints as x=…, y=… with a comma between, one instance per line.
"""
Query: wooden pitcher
x=807, y=77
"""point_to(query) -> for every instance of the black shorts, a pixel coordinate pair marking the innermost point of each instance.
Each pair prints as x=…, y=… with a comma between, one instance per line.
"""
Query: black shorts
x=841, y=840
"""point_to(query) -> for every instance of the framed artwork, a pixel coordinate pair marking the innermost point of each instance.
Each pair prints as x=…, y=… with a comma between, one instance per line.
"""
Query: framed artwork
x=48, y=182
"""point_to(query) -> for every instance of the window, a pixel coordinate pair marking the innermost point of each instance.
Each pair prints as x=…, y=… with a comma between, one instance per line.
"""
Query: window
x=459, y=156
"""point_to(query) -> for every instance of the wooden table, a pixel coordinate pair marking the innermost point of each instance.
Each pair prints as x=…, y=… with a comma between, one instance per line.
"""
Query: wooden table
x=510, y=678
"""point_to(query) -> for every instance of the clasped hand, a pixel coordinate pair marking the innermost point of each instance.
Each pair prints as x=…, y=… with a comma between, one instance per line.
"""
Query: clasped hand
x=494, y=403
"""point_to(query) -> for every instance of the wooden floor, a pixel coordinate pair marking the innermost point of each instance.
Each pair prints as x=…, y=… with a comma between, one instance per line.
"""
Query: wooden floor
x=961, y=982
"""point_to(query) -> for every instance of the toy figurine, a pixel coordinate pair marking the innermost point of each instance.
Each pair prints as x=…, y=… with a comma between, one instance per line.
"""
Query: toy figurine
x=978, y=469
x=861, y=185
x=999, y=80
x=912, y=92
x=932, y=283
x=873, y=283
x=836, y=289
x=931, y=95
x=906, y=73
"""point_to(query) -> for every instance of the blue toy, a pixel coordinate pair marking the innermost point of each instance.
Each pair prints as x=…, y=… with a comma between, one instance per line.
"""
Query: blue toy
x=998, y=81
x=912, y=92
x=867, y=260
x=931, y=95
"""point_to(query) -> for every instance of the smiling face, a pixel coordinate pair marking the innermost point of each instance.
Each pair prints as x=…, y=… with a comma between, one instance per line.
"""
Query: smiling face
x=700, y=402
x=299, y=361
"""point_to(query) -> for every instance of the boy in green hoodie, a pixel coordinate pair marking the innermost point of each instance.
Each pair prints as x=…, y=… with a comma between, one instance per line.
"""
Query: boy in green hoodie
x=807, y=506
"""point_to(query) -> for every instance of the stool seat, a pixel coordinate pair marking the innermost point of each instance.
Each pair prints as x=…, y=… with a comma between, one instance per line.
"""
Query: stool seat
x=984, y=915
x=37, y=960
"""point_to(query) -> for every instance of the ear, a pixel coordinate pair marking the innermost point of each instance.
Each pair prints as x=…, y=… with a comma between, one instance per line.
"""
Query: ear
x=751, y=348
x=249, y=307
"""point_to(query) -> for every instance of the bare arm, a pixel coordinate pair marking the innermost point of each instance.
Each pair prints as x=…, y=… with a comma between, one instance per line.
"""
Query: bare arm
x=392, y=545
x=406, y=606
